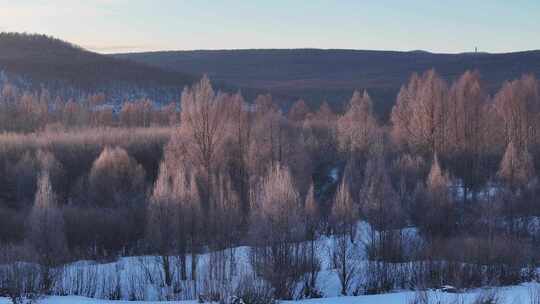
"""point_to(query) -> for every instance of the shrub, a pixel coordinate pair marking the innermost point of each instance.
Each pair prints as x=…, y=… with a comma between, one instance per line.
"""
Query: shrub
x=253, y=290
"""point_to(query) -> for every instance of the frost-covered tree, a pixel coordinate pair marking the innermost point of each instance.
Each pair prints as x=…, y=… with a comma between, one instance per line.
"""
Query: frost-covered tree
x=311, y=214
x=379, y=200
x=237, y=152
x=344, y=212
x=466, y=103
x=186, y=180
x=277, y=206
x=189, y=236
x=381, y=207
x=116, y=179
x=357, y=127
x=343, y=250
x=46, y=234
x=439, y=217
x=321, y=144
x=517, y=166
x=206, y=130
x=320, y=131
x=298, y=111
x=418, y=116
x=136, y=114
x=518, y=104
x=409, y=170
x=203, y=118
x=466, y=130
x=437, y=179
x=48, y=162
x=275, y=140
x=162, y=227
x=222, y=234
x=311, y=221
x=276, y=229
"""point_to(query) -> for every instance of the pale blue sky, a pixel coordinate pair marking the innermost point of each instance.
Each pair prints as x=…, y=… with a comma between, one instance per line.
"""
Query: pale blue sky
x=135, y=25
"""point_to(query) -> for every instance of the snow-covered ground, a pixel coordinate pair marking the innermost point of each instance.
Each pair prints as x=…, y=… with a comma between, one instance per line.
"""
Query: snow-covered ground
x=138, y=279
x=507, y=295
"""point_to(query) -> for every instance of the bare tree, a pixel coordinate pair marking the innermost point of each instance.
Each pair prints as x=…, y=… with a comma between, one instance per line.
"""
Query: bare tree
x=18, y=279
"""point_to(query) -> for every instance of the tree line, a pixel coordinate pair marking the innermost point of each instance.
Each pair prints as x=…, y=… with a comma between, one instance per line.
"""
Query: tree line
x=454, y=164
x=25, y=111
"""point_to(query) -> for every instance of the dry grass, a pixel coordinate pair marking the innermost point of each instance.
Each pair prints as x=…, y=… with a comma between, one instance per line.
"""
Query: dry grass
x=85, y=137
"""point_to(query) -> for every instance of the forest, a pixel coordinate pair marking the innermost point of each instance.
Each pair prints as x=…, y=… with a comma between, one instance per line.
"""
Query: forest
x=444, y=192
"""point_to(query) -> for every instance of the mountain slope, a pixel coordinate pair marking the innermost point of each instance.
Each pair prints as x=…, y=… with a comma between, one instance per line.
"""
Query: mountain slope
x=333, y=74
x=45, y=60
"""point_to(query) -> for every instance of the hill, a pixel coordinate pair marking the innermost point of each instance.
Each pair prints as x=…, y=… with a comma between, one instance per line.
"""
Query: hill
x=40, y=59
x=288, y=74
x=318, y=74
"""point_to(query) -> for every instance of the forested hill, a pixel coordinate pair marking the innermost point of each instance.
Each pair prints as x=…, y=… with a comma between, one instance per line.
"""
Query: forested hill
x=316, y=74
x=45, y=60
x=312, y=74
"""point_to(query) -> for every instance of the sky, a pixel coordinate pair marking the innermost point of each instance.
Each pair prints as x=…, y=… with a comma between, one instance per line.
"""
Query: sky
x=115, y=26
